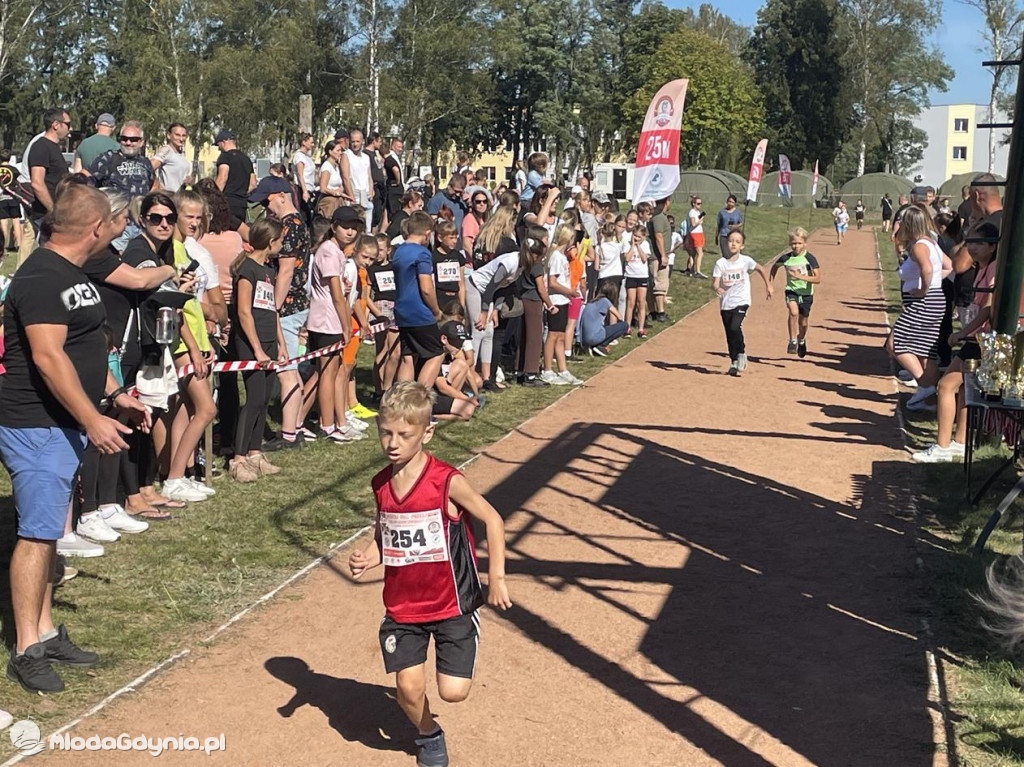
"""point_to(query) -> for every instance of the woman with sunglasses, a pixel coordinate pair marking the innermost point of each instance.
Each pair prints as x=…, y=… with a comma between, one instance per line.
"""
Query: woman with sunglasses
x=194, y=409
x=479, y=211
x=158, y=218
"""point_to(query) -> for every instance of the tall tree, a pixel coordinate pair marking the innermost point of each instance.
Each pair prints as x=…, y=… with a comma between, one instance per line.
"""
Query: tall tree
x=723, y=111
x=890, y=65
x=1004, y=26
x=796, y=49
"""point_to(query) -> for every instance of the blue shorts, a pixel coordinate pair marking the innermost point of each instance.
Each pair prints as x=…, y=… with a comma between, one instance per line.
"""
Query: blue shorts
x=43, y=463
x=290, y=327
x=841, y=228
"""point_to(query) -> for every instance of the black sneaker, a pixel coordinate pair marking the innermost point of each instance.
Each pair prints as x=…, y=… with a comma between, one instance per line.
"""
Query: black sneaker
x=293, y=444
x=61, y=650
x=663, y=317
x=801, y=349
x=273, y=445
x=535, y=381
x=32, y=670
x=599, y=351
x=433, y=752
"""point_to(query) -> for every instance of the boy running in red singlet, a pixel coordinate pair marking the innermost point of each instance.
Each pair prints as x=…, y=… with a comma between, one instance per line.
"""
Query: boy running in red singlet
x=431, y=584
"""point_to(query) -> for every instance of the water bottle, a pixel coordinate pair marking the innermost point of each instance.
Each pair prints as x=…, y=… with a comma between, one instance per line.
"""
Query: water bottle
x=166, y=325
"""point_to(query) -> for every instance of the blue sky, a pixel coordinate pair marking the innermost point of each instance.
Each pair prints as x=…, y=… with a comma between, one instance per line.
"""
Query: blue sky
x=958, y=38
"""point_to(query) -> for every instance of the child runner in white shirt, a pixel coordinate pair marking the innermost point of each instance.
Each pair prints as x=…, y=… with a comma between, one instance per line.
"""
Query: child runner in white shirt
x=732, y=283
x=561, y=292
x=636, y=279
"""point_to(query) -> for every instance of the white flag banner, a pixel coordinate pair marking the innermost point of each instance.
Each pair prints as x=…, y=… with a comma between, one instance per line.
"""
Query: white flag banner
x=657, y=157
x=756, y=170
x=785, y=178
x=814, y=184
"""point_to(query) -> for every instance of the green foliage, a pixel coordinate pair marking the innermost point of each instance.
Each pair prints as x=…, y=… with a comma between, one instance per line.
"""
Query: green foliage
x=796, y=49
x=724, y=114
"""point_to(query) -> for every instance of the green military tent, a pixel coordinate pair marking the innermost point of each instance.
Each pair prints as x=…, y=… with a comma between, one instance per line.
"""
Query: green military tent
x=802, y=181
x=870, y=187
x=952, y=187
x=713, y=186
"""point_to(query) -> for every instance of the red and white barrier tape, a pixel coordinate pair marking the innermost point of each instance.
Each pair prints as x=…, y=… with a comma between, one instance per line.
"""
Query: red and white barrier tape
x=239, y=366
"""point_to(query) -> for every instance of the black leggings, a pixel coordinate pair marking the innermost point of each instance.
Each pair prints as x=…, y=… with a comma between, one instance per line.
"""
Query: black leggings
x=732, y=319
x=227, y=408
x=99, y=479
x=533, y=337
x=252, y=418
x=138, y=463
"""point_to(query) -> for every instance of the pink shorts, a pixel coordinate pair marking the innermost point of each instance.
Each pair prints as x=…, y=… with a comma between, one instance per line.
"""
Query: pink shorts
x=575, y=308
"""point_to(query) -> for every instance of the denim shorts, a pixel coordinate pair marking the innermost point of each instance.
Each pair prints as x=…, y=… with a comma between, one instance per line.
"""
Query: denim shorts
x=43, y=463
x=290, y=327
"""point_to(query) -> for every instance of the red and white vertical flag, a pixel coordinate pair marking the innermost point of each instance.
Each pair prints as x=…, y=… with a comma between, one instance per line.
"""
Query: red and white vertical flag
x=814, y=184
x=756, y=170
x=657, y=157
x=785, y=178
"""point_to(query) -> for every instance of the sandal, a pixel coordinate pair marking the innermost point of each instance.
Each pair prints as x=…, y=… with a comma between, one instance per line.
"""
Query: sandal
x=154, y=514
x=168, y=504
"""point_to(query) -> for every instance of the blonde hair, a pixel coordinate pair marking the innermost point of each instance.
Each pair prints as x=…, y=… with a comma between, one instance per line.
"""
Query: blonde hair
x=565, y=235
x=409, y=401
x=798, y=231
x=502, y=223
x=187, y=197
x=915, y=225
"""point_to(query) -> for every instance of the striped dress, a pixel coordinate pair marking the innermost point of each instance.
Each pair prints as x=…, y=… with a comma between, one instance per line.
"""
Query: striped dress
x=917, y=328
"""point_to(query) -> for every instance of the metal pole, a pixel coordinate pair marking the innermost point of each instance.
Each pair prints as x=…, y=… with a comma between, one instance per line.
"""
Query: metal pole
x=1006, y=303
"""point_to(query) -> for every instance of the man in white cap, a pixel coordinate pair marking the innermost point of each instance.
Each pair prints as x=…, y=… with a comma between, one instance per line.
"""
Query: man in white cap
x=101, y=142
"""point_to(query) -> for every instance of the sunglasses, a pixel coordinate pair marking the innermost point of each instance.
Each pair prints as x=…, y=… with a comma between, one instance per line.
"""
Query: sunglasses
x=156, y=219
x=480, y=201
x=129, y=139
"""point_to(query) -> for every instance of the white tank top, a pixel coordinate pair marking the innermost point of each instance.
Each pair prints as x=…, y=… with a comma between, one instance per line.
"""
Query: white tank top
x=359, y=169
x=910, y=273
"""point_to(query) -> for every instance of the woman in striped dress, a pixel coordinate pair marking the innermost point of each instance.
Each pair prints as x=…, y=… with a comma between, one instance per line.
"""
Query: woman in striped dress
x=915, y=335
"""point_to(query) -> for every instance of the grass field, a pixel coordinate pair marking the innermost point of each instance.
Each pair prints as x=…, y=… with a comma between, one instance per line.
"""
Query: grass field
x=986, y=685
x=157, y=593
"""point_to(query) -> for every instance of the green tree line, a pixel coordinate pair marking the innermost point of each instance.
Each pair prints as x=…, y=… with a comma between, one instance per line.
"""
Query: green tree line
x=832, y=80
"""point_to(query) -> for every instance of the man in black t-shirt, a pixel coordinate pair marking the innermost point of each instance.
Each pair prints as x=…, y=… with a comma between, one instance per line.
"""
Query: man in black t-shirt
x=56, y=360
x=45, y=162
x=395, y=178
x=235, y=174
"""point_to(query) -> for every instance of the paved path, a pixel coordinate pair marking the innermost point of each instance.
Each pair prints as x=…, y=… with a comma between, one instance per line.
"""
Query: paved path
x=705, y=571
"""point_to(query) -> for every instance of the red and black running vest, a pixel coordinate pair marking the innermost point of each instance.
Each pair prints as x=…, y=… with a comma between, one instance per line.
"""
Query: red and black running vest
x=429, y=559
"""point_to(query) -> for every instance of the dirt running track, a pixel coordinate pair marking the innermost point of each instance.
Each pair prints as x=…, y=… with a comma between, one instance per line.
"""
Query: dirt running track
x=705, y=572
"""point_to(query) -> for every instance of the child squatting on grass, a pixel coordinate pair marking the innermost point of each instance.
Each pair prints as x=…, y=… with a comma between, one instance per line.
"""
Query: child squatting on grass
x=431, y=584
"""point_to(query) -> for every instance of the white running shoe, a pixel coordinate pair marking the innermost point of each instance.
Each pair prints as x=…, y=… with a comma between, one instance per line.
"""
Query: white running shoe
x=741, y=362
x=5, y=719
x=569, y=378
x=356, y=423
x=938, y=454
x=906, y=379
x=202, y=487
x=350, y=434
x=73, y=546
x=180, y=489
x=116, y=518
x=94, y=528
x=552, y=378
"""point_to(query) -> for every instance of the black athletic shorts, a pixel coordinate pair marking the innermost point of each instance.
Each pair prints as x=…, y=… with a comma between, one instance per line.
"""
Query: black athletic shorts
x=404, y=645
x=803, y=303
x=423, y=341
x=969, y=351
x=559, y=321
x=10, y=209
x=637, y=282
x=319, y=341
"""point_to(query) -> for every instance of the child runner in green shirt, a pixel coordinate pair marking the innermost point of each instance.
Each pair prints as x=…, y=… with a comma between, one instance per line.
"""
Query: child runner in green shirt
x=802, y=274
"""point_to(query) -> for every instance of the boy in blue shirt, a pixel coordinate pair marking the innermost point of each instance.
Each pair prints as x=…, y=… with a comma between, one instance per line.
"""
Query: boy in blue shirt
x=416, y=310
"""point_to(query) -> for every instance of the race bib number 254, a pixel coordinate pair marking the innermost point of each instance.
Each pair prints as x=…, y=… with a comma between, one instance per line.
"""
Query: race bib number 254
x=408, y=539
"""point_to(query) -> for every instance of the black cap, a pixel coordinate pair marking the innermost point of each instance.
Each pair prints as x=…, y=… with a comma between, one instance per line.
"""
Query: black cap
x=348, y=215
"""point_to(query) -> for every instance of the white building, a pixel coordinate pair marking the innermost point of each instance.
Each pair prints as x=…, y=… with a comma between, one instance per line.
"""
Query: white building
x=956, y=144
